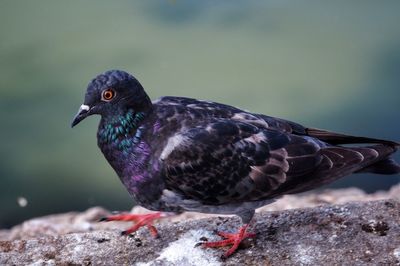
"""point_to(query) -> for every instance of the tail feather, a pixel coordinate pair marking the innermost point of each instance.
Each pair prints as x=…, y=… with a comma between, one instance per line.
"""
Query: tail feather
x=338, y=138
x=385, y=167
x=338, y=161
x=380, y=163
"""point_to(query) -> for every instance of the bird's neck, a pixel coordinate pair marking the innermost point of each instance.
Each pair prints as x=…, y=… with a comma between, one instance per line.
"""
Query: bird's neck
x=121, y=138
x=121, y=130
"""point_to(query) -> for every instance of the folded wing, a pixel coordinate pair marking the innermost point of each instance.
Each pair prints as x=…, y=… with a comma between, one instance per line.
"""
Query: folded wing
x=230, y=161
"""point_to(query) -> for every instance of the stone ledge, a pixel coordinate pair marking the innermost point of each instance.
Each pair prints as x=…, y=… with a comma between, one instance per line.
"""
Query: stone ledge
x=359, y=233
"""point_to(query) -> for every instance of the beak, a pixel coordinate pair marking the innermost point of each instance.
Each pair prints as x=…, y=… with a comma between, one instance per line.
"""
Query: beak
x=82, y=114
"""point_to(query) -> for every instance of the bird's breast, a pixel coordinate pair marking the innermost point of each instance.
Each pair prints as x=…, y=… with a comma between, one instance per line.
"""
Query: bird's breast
x=138, y=170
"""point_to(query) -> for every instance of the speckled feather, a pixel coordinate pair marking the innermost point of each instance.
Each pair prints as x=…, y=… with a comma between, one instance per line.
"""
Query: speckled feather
x=178, y=154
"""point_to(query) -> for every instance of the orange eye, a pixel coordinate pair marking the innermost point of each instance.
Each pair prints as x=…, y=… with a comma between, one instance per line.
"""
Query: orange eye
x=108, y=95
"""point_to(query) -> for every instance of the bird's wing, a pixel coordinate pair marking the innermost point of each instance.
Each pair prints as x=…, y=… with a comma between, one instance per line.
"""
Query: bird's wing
x=240, y=156
x=231, y=161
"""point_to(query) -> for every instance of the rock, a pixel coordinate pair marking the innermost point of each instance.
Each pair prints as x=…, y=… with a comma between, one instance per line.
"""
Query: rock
x=58, y=224
x=359, y=233
x=73, y=222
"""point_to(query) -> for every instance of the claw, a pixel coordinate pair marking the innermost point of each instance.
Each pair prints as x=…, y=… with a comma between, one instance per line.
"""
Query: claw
x=223, y=257
x=139, y=220
x=199, y=244
x=230, y=239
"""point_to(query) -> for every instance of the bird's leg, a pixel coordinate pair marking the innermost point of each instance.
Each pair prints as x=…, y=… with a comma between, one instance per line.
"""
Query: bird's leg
x=230, y=239
x=139, y=220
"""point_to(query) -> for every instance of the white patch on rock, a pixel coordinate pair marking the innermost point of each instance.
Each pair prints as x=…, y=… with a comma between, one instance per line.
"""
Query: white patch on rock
x=184, y=252
x=305, y=255
x=172, y=143
x=396, y=253
x=76, y=247
x=332, y=238
x=43, y=263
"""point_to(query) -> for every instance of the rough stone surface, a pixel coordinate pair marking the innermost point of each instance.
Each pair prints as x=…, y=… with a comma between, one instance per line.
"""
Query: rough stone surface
x=358, y=233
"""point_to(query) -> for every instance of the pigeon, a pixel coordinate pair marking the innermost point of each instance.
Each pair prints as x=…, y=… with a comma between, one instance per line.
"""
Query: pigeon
x=178, y=154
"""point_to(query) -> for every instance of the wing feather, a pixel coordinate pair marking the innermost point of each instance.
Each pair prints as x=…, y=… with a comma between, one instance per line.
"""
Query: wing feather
x=227, y=161
x=222, y=154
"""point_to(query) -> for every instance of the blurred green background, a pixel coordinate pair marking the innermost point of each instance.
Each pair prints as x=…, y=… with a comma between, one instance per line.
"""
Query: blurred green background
x=332, y=65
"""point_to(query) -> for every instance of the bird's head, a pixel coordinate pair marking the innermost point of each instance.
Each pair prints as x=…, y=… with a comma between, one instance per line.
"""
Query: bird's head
x=113, y=92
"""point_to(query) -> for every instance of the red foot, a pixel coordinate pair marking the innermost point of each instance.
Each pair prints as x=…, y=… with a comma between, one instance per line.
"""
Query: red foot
x=230, y=239
x=139, y=219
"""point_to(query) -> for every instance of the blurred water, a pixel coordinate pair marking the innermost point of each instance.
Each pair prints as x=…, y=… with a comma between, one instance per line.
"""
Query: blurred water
x=329, y=65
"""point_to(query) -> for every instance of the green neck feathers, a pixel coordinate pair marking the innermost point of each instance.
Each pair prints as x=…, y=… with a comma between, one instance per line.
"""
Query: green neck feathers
x=119, y=129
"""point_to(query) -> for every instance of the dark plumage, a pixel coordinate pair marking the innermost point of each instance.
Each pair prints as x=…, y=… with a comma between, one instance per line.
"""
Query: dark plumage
x=178, y=154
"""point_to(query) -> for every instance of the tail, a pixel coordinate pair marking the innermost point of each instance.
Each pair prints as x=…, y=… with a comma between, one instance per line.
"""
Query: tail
x=338, y=138
x=385, y=167
x=339, y=161
x=380, y=163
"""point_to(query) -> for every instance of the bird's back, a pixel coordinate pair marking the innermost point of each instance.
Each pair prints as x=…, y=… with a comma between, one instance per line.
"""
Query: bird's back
x=219, y=155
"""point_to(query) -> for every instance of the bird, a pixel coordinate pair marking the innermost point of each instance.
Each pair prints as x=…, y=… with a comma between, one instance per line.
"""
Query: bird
x=178, y=154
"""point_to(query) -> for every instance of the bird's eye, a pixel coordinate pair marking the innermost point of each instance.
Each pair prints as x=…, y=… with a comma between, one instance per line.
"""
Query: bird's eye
x=108, y=95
